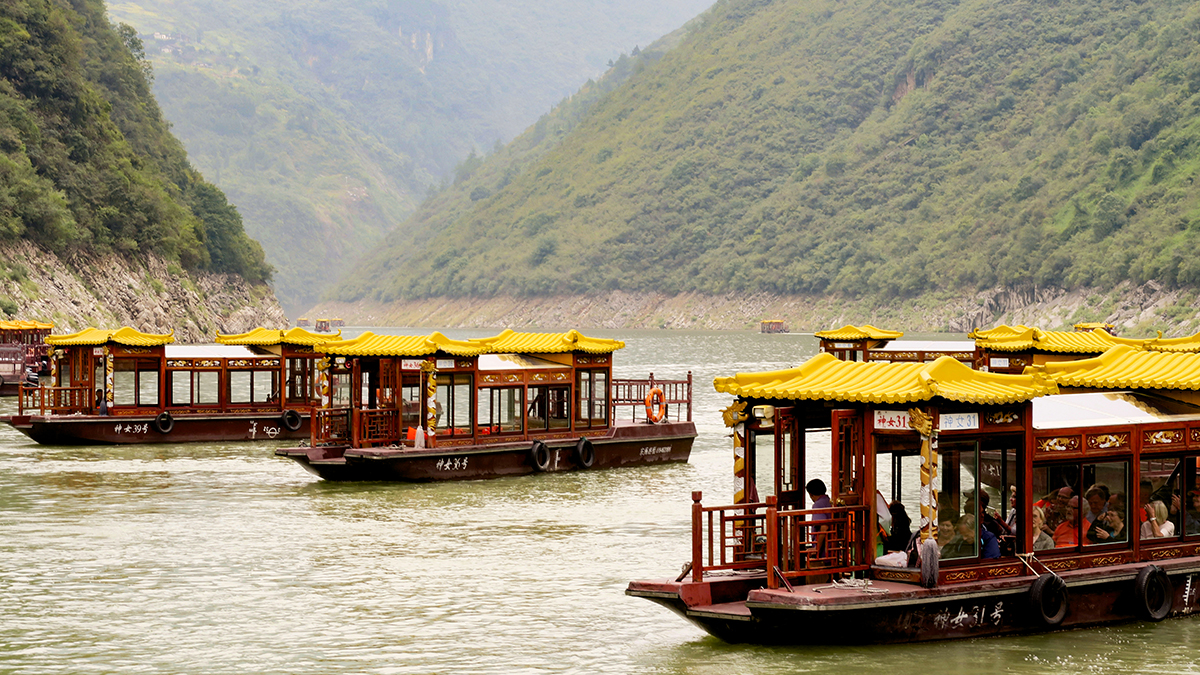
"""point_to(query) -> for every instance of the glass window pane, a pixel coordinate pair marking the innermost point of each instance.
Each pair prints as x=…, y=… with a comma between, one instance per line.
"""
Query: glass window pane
x=484, y=408
x=148, y=387
x=1190, y=508
x=510, y=418
x=208, y=389
x=560, y=407
x=600, y=397
x=124, y=382
x=1058, y=487
x=958, y=509
x=240, y=386
x=1159, y=498
x=181, y=387
x=462, y=403
x=1104, y=507
x=266, y=387
x=583, y=388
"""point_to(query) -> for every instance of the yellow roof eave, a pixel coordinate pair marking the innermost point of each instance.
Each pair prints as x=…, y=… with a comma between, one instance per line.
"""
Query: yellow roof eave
x=1124, y=367
x=850, y=333
x=269, y=336
x=127, y=336
x=370, y=344
x=512, y=342
x=825, y=377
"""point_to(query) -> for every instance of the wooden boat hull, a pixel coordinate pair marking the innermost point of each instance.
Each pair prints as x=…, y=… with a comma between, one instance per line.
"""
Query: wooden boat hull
x=624, y=445
x=741, y=610
x=127, y=429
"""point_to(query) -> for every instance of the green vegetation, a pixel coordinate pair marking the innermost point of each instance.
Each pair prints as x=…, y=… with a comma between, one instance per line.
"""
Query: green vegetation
x=86, y=159
x=863, y=149
x=326, y=123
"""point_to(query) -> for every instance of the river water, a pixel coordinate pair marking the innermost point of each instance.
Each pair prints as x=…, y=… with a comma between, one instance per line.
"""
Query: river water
x=221, y=558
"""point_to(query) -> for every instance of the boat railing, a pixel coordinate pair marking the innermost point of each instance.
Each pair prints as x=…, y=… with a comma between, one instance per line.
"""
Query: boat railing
x=55, y=400
x=677, y=397
x=330, y=425
x=794, y=542
x=378, y=427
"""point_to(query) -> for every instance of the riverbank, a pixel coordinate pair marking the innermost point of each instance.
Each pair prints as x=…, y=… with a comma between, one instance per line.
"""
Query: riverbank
x=1134, y=310
x=143, y=291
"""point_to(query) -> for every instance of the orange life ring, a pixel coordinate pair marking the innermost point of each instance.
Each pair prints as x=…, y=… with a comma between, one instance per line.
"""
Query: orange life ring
x=656, y=406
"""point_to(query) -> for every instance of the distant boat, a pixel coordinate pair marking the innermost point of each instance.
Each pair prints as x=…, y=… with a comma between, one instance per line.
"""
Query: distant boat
x=303, y=322
x=337, y=323
x=773, y=326
x=125, y=386
x=323, y=326
x=428, y=408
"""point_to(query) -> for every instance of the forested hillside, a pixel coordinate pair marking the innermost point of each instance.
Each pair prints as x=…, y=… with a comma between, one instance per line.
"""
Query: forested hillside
x=88, y=163
x=328, y=122
x=863, y=149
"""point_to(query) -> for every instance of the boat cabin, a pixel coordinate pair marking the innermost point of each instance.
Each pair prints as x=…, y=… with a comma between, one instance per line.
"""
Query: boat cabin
x=127, y=372
x=1083, y=474
x=854, y=343
x=322, y=326
x=1010, y=349
x=773, y=326
x=31, y=337
x=386, y=390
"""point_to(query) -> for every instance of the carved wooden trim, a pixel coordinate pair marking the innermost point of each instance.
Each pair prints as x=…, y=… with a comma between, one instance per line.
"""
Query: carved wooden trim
x=1060, y=565
x=998, y=417
x=1058, y=444
x=1108, y=441
x=1163, y=437
x=1007, y=571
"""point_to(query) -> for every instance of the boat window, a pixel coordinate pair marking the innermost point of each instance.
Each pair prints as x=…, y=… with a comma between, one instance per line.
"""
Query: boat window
x=193, y=387
x=1082, y=503
x=207, y=389
x=549, y=407
x=1104, y=507
x=500, y=410
x=958, y=524
x=1190, y=509
x=1161, y=497
x=592, y=389
x=179, y=387
x=135, y=382
x=253, y=386
x=301, y=379
x=453, y=404
x=762, y=455
x=410, y=394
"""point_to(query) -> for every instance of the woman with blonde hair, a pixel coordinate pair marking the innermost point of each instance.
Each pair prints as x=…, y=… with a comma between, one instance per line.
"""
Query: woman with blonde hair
x=1157, y=525
x=1041, y=540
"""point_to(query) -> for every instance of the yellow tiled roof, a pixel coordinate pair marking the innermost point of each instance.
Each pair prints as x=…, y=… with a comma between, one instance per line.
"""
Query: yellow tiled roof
x=825, y=377
x=1187, y=344
x=1005, y=339
x=1093, y=325
x=511, y=342
x=370, y=344
x=25, y=325
x=851, y=333
x=270, y=336
x=1124, y=367
x=123, y=336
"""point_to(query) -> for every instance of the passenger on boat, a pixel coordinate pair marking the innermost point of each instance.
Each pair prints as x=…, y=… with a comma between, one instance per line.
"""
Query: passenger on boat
x=1157, y=524
x=1067, y=532
x=1055, y=507
x=1011, y=520
x=1041, y=540
x=990, y=519
x=1193, y=513
x=901, y=533
x=820, y=500
x=947, y=532
x=101, y=403
x=1108, y=528
x=1097, y=499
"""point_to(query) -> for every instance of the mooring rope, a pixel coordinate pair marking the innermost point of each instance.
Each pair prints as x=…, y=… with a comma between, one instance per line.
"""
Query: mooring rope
x=860, y=585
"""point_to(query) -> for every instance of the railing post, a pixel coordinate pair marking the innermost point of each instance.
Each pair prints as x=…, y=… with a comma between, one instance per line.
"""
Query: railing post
x=689, y=395
x=697, y=537
x=772, y=539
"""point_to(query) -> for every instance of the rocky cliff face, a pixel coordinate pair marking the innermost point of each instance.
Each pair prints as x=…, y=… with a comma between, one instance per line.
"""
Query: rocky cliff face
x=145, y=292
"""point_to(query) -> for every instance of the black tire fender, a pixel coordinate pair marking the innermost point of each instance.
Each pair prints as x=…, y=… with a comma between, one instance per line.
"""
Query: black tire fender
x=1048, y=600
x=539, y=456
x=1153, y=593
x=164, y=423
x=585, y=454
x=291, y=420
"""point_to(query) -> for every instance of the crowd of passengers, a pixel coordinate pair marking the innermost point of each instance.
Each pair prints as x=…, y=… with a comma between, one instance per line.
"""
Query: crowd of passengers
x=1056, y=522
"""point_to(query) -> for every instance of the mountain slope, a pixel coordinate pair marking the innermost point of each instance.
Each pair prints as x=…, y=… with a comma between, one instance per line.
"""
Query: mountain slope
x=856, y=149
x=86, y=157
x=327, y=123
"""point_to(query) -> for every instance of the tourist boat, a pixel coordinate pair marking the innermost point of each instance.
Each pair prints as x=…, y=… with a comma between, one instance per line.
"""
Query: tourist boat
x=1117, y=432
x=429, y=408
x=23, y=354
x=125, y=386
x=1010, y=349
x=303, y=322
x=773, y=326
x=868, y=343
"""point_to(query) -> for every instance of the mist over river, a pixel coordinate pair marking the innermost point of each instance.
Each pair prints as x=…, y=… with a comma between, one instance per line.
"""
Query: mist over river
x=221, y=558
